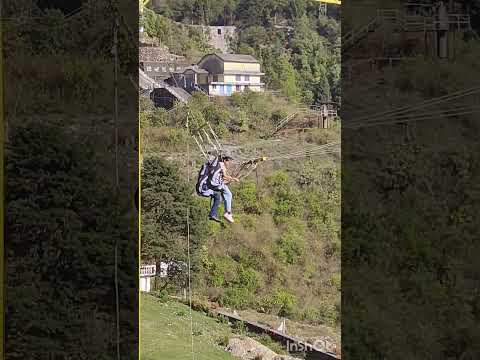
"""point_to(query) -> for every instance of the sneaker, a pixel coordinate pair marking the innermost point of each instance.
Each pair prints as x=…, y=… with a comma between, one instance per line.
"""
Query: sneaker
x=214, y=218
x=228, y=217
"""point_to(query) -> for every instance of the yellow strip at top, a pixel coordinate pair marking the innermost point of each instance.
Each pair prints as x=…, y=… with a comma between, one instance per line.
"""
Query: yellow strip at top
x=336, y=2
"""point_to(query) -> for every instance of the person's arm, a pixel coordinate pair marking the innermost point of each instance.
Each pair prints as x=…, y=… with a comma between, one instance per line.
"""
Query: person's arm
x=227, y=178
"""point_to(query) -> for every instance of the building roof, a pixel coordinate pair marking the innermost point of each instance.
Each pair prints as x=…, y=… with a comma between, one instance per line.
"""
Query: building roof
x=237, y=58
x=179, y=93
x=157, y=53
x=145, y=82
x=196, y=69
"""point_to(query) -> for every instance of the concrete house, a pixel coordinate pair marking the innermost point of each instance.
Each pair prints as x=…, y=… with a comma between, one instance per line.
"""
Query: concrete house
x=158, y=63
x=190, y=78
x=229, y=73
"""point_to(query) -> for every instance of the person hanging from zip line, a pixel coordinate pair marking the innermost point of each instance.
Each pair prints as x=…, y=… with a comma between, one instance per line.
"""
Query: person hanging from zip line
x=203, y=189
x=218, y=181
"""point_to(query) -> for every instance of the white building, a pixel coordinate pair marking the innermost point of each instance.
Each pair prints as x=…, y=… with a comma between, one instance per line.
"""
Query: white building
x=147, y=273
x=230, y=73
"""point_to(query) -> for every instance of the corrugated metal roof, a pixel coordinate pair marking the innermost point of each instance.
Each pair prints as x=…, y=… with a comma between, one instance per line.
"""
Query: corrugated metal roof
x=147, y=83
x=179, y=93
x=197, y=69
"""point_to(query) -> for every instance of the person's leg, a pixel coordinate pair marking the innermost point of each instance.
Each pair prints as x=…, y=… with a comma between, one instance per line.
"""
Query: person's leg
x=227, y=198
x=217, y=199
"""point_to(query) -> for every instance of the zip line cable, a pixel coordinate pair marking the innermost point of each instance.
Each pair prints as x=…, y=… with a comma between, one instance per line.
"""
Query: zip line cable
x=399, y=115
x=200, y=147
x=383, y=116
x=188, y=252
x=433, y=116
x=313, y=149
x=246, y=167
x=414, y=117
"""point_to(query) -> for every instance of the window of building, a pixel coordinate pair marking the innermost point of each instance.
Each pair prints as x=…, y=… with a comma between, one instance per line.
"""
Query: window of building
x=219, y=31
x=247, y=77
x=164, y=68
x=214, y=87
x=149, y=68
x=238, y=77
x=156, y=68
x=215, y=78
x=238, y=87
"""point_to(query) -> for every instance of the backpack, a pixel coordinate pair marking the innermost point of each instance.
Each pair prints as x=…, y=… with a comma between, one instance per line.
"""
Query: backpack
x=215, y=178
x=201, y=187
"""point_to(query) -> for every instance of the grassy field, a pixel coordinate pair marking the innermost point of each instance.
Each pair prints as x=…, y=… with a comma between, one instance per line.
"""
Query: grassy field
x=165, y=332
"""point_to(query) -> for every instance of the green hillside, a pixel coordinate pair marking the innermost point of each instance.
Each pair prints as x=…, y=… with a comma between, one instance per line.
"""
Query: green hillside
x=282, y=255
x=165, y=332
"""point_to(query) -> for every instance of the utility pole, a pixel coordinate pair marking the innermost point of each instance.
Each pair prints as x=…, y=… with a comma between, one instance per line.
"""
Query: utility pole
x=115, y=125
x=3, y=129
x=442, y=31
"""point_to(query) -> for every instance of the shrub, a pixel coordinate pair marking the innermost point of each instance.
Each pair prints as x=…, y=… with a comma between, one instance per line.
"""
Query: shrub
x=238, y=327
x=222, y=340
x=240, y=119
x=289, y=249
x=322, y=136
x=162, y=296
x=333, y=248
x=288, y=203
x=248, y=279
x=157, y=118
x=328, y=314
x=287, y=302
x=200, y=304
x=273, y=345
x=281, y=302
x=246, y=195
x=336, y=281
x=291, y=245
x=168, y=137
x=311, y=314
x=181, y=313
x=251, y=258
x=218, y=269
x=237, y=298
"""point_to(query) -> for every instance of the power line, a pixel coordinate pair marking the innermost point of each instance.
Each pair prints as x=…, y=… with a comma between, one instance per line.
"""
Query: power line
x=405, y=110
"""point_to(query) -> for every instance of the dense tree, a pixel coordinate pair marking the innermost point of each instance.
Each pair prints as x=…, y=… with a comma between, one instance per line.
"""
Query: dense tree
x=61, y=236
x=166, y=195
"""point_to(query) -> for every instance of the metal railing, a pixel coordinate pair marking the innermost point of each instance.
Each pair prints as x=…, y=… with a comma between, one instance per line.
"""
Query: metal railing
x=404, y=22
x=148, y=270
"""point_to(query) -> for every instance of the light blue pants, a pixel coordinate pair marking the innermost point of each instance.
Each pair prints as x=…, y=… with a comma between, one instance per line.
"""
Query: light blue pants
x=227, y=198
